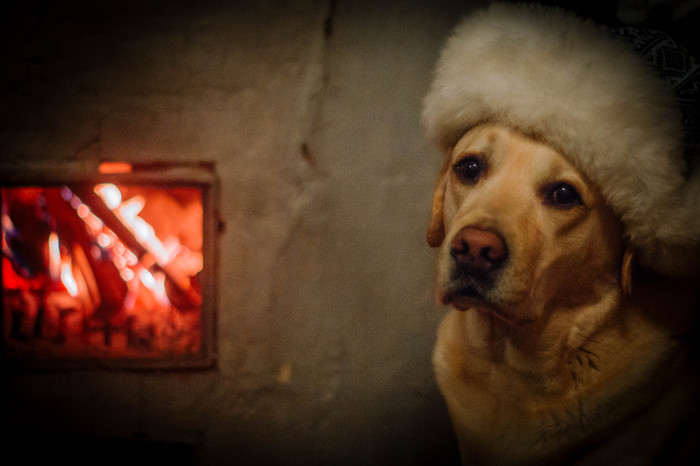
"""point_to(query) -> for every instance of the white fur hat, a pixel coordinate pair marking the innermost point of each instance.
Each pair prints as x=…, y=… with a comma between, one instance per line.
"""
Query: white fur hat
x=552, y=75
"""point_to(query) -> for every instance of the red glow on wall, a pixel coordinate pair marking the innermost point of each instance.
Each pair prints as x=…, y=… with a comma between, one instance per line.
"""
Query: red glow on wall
x=115, y=167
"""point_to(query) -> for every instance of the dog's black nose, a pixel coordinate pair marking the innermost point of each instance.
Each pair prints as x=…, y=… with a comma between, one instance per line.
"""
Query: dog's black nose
x=478, y=251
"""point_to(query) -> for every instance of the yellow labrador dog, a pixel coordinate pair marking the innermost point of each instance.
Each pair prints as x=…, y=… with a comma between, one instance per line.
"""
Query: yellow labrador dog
x=556, y=350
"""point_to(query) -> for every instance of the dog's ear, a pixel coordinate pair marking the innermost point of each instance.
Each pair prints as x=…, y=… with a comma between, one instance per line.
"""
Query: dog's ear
x=627, y=266
x=436, y=229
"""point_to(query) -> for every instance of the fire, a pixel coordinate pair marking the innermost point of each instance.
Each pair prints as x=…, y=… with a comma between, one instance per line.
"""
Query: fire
x=176, y=263
x=54, y=257
x=103, y=270
x=61, y=267
x=115, y=167
x=105, y=240
x=93, y=222
x=155, y=283
x=68, y=279
x=128, y=212
x=110, y=194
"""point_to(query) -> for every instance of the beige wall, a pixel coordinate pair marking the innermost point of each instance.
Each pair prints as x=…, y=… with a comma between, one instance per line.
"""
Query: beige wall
x=310, y=112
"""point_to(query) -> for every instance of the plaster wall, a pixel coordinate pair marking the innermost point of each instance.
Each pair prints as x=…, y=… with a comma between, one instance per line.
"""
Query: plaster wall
x=325, y=316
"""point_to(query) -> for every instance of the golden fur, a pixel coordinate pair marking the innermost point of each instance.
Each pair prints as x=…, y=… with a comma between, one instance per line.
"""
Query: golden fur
x=565, y=80
x=570, y=355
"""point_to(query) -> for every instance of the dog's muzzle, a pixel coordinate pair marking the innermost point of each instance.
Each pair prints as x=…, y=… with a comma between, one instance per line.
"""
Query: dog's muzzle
x=478, y=255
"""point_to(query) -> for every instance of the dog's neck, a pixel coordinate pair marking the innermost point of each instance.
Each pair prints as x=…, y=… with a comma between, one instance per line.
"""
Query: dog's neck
x=550, y=357
x=544, y=379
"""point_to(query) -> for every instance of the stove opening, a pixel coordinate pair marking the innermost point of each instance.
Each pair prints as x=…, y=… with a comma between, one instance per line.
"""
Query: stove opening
x=114, y=269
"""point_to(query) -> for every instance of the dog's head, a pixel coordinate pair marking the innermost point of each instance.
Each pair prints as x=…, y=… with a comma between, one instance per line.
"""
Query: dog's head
x=521, y=231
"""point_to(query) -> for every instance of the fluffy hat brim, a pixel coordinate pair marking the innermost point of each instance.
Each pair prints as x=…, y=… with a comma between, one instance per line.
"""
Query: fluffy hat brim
x=562, y=79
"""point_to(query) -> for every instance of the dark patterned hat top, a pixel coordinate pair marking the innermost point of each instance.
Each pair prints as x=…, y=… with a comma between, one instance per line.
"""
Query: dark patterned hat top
x=681, y=70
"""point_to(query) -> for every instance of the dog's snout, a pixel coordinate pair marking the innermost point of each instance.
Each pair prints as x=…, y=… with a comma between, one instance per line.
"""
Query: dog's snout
x=478, y=250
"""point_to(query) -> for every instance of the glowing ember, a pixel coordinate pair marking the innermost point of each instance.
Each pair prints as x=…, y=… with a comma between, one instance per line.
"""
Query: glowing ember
x=105, y=240
x=67, y=278
x=128, y=212
x=129, y=209
x=126, y=273
x=115, y=167
x=156, y=283
x=84, y=212
x=60, y=267
x=110, y=194
x=7, y=224
x=147, y=278
x=115, y=270
x=54, y=257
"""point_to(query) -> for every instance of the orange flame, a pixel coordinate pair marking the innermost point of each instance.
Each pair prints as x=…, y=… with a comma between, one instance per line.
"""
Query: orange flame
x=128, y=212
x=68, y=279
x=115, y=167
x=155, y=283
x=60, y=267
x=54, y=257
x=110, y=194
x=177, y=262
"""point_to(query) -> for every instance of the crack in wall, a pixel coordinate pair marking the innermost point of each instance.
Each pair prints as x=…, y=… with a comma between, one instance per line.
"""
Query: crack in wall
x=304, y=217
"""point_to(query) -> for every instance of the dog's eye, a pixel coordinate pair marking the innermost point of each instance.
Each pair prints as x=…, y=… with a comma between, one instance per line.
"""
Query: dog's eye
x=469, y=169
x=562, y=196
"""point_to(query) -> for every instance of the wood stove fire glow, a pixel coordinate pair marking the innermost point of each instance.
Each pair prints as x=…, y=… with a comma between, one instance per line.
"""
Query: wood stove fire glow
x=109, y=267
